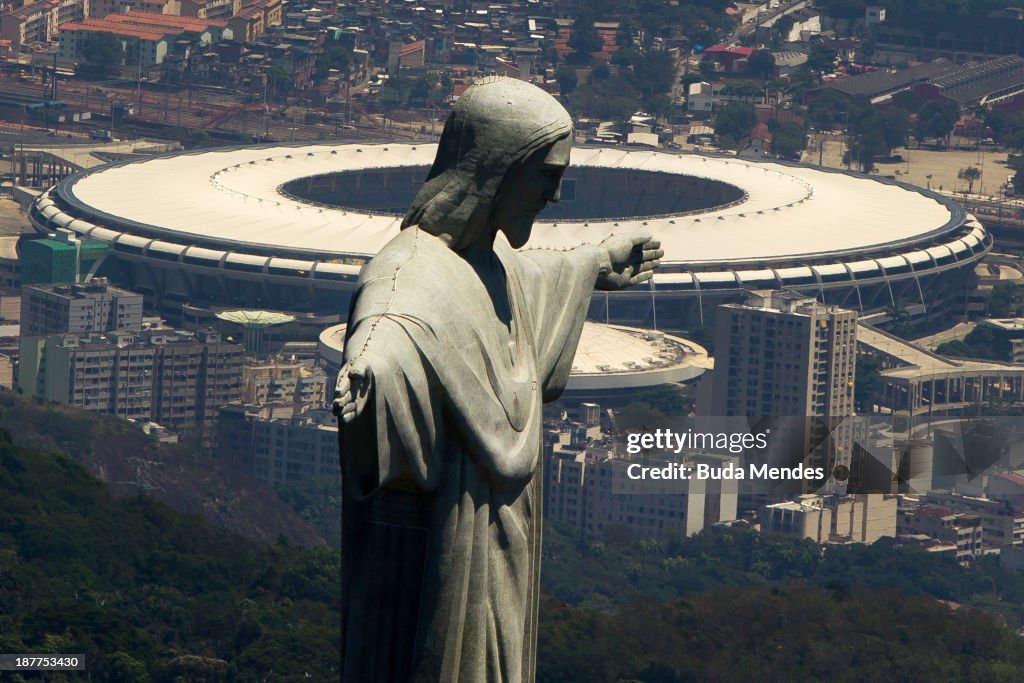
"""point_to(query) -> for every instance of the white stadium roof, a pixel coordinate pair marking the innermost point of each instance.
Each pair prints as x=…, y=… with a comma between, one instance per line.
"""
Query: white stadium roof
x=607, y=357
x=230, y=199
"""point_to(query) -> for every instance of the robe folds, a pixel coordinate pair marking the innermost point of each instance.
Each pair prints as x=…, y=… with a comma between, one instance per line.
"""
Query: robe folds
x=442, y=469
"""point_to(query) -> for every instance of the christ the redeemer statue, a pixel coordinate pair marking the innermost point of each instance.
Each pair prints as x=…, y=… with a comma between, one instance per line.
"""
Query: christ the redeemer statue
x=454, y=341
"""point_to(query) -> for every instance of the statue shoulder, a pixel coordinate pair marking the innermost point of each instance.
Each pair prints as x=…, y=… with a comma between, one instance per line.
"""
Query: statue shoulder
x=411, y=249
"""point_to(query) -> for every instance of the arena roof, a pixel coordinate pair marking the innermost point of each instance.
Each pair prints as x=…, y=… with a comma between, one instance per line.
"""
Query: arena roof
x=607, y=357
x=231, y=200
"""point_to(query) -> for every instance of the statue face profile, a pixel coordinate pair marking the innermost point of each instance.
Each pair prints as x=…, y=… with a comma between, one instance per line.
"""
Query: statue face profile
x=527, y=189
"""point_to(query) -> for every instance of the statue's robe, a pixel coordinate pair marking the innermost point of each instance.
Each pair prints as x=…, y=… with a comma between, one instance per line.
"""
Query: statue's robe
x=442, y=470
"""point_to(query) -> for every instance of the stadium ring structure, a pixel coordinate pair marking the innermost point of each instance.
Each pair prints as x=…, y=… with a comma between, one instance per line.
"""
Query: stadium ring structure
x=612, y=363
x=287, y=227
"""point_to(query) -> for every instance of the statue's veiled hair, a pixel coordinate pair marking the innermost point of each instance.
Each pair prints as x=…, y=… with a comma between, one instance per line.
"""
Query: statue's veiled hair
x=496, y=124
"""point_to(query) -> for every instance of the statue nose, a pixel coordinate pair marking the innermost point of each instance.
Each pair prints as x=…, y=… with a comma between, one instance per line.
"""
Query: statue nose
x=555, y=193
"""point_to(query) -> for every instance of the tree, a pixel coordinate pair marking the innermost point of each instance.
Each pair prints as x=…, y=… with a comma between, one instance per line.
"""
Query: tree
x=654, y=72
x=584, y=38
x=1016, y=162
x=567, y=80
x=936, y=120
x=735, y=120
x=761, y=64
x=659, y=106
x=789, y=140
x=970, y=174
x=102, y=52
x=333, y=57
x=894, y=125
x=708, y=68
x=782, y=28
x=821, y=60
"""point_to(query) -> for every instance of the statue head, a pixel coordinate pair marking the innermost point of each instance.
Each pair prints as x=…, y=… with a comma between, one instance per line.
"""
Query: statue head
x=499, y=161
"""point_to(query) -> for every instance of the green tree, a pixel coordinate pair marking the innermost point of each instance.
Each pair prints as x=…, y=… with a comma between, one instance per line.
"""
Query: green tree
x=970, y=174
x=789, y=140
x=820, y=60
x=584, y=39
x=654, y=72
x=102, y=53
x=782, y=28
x=1016, y=163
x=333, y=57
x=761, y=64
x=894, y=124
x=936, y=120
x=567, y=80
x=735, y=120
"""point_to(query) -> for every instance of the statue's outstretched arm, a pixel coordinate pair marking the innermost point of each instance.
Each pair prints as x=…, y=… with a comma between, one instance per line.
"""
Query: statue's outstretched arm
x=631, y=259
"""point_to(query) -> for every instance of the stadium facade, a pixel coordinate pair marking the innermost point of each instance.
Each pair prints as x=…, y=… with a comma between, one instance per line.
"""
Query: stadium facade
x=287, y=227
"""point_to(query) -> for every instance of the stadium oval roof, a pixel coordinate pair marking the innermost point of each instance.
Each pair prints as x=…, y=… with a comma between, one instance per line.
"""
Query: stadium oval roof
x=607, y=357
x=231, y=200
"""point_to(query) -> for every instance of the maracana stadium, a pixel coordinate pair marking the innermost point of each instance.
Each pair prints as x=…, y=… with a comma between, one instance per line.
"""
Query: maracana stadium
x=287, y=227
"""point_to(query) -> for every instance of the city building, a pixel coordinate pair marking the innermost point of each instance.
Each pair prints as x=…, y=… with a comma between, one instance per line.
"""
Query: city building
x=59, y=257
x=916, y=382
x=861, y=518
x=275, y=444
x=6, y=371
x=962, y=529
x=10, y=305
x=38, y=22
x=994, y=83
x=177, y=379
x=1002, y=522
x=90, y=307
x=147, y=37
x=276, y=380
x=10, y=263
x=587, y=487
x=784, y=355
x=925, y=36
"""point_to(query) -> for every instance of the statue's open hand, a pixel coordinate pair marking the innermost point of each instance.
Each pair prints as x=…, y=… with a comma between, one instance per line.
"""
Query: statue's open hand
x=631, y=260
x=352, y=390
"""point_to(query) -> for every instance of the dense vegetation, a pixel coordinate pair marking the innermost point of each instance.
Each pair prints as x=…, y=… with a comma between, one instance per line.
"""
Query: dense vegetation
x=148, y=594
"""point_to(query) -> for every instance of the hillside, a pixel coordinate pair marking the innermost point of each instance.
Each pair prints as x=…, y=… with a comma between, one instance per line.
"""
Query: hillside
x=149, y=594
x=119, y=453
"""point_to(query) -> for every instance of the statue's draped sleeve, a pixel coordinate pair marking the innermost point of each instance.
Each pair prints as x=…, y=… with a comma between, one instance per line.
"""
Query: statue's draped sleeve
x=396, y=439
x=558, y=286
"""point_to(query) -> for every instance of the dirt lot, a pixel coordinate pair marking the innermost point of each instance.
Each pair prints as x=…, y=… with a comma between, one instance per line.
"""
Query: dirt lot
x=12, y=219
x=942, y=167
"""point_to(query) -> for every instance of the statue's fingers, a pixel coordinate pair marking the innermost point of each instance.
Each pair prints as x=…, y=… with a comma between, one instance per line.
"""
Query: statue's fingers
x=643, y=276
x=640, y=239
x=653, y=254
x=349, y=412
x=646, y=266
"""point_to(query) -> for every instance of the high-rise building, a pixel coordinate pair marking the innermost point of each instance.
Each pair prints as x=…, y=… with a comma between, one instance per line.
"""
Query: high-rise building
x=174, y=378
x=88, y=308
x=275, y=444
x=786, y=356
x=863, y=518
x=589, y=489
